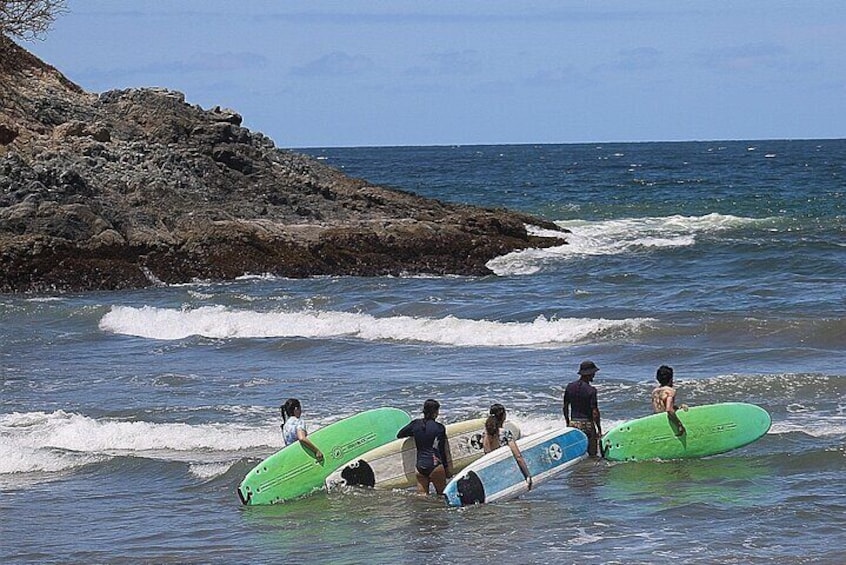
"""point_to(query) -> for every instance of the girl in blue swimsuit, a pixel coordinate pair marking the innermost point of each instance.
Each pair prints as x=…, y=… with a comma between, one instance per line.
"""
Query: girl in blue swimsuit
x=431, y=442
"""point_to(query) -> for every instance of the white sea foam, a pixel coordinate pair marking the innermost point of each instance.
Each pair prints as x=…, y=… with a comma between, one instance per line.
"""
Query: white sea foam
x=259, y=277
x=208, y=471
x=615, y=237
x=533, y=424
x=59, y=441
x=819, y=428
x=220, y=322
x=200, y=295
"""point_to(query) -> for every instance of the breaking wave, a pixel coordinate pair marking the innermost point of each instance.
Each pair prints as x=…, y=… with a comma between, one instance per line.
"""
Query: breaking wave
x=51, y=442
x=615, y=237
x=220, y=322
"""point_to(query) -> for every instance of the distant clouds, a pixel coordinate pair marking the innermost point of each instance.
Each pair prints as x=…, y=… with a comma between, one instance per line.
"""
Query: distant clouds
x=203, y=62
x=745, y=58
x=638, y=59
x=483, y=13
x=466, y=62
x=547, y=70
x=334, y=64
x=555, y=76
x=628, y=61
x=340, y=64
x=195, y=64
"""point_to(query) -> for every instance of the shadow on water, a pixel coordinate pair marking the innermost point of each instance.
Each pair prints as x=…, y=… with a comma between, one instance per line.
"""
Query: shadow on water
x=718, y=481
x=388, y=527
x=340, y=527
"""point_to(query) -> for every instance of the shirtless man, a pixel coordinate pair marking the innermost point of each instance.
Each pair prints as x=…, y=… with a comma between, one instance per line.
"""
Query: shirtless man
x=664, y=396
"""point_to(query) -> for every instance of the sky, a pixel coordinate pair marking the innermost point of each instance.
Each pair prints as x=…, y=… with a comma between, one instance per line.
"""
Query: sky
x=323, y=73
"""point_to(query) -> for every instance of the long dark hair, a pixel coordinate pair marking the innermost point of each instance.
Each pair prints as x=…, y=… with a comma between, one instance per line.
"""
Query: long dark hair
x=495, y=420
x=288, y=408
x=431, y=409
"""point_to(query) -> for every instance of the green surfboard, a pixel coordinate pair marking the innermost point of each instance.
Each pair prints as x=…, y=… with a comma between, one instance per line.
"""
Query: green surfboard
x=710, y=429
x=293, y=471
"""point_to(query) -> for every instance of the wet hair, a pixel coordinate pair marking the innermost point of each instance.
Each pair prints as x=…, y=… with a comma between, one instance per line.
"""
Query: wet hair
x=288, y=408
x=664, y=375
x=495, y=420
x=430, y=409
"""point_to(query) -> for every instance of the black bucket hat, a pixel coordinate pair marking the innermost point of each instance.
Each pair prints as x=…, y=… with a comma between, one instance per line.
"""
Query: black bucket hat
x=588, y=368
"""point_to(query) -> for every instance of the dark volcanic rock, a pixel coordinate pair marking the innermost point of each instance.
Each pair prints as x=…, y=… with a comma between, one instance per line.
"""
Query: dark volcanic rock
x=133, y=187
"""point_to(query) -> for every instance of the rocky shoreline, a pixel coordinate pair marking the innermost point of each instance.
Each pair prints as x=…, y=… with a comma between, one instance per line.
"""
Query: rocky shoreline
x=132, y=188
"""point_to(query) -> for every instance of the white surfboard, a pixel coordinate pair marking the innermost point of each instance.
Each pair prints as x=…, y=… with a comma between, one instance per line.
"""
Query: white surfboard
x=393, y=465
x=497, y=477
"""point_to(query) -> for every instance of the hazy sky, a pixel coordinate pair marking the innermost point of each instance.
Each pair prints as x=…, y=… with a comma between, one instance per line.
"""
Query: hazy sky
x=346, y=73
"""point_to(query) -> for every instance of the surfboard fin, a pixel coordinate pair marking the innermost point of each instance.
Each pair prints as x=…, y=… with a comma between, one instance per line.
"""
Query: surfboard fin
x=471, y=490
x=359, y=473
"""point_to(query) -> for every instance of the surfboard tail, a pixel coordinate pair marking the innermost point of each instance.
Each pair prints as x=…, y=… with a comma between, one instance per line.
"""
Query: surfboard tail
x=245, y=499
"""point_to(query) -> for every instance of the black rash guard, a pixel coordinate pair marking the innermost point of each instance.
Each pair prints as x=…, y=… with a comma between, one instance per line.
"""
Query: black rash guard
x=581, y=397
x=430, y=440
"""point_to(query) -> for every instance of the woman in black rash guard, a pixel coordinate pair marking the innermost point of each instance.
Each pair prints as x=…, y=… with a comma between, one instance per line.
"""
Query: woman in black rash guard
x=431, y=442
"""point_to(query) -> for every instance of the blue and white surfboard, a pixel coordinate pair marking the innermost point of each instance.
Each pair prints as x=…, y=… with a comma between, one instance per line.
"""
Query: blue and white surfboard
x=496, y=476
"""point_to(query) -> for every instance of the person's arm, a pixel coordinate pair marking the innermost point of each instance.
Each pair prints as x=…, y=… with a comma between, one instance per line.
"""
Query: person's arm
x=515, y=451
x=595, y=414
x=489, y=443
x=444, y=449
x=406, y=431
x=565, y=407
x=302, y=435
x=598, y=425
x=670, y=408
x=597, y=421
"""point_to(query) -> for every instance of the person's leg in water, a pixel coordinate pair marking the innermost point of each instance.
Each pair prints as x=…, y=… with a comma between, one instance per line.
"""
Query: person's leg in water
x=438, y=478
x=423, y=481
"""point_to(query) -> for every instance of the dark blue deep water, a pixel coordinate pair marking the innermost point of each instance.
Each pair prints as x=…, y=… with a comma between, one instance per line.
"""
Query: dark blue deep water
x=127, y=419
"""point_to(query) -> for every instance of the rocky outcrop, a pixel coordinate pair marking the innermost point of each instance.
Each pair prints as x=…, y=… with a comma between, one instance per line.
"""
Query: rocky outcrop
x=135, y=187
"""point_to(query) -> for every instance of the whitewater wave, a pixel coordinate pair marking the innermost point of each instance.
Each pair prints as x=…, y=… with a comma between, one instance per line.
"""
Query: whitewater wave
x=50, y=442
x=220, y=322
x=615, y=237
x=825, y=428
x=56, y=442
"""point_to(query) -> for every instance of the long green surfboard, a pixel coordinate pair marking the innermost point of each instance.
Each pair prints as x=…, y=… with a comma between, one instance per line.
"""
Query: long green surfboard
x=710, y=429
x=293, y=471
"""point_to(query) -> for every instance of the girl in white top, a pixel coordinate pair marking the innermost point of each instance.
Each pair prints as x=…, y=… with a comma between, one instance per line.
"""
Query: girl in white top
x=293, y=427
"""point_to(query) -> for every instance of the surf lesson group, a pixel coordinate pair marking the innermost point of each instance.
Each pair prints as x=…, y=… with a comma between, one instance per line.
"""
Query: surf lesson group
x=464, y=461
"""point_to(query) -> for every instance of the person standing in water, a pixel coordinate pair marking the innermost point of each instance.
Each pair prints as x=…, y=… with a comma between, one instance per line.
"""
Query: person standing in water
x=497, y=436
x=580, y=407
x=664, y=398
x=294, y=428
x=431, y=441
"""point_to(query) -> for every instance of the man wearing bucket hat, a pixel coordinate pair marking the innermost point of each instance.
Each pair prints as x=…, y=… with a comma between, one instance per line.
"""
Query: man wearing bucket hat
x=580, y=407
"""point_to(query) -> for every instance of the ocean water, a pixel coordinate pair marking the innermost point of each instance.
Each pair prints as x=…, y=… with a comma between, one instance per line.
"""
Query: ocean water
x=127, y=419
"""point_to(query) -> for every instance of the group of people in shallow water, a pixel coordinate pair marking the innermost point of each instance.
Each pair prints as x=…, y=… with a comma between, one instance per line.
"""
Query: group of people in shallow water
x=431, y=442
x=580, y=407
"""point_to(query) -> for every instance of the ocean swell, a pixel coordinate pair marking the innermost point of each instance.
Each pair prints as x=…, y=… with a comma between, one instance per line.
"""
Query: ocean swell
x=219, y=322
x=615, y=237
x=57, y=441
